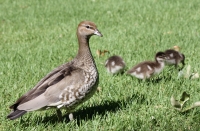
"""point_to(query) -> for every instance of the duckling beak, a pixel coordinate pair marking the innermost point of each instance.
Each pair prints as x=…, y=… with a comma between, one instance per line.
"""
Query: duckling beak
x=97, y=32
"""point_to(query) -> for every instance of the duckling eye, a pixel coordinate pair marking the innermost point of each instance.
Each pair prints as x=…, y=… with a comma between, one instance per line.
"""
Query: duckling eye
x=87, y=26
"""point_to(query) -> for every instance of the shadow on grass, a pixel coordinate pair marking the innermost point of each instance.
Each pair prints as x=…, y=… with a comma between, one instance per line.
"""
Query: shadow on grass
x=90, y=112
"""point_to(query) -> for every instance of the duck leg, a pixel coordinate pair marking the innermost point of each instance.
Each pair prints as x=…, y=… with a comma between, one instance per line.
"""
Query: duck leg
x=59, y=114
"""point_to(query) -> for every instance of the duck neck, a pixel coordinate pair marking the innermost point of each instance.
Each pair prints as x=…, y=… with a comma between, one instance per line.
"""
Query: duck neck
x=84, y=52
x=84, y=48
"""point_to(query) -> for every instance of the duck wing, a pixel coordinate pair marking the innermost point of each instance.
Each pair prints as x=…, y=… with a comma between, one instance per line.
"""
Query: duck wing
x=64, y=92
x=49, y=80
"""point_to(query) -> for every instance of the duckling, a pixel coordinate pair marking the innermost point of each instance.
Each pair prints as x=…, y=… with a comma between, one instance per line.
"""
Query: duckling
x=147, y=69
x=115, y=64
x=174, y=58
x=68, y=85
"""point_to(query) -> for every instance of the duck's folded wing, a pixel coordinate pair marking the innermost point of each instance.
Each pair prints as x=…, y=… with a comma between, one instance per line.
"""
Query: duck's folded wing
x=50, y=79
x=59, y=94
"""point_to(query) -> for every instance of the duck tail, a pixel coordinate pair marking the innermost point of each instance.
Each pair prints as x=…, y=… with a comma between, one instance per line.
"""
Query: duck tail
x=16, y=114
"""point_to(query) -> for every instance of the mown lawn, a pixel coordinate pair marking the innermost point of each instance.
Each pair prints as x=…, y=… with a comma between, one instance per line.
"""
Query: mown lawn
x=38, y=35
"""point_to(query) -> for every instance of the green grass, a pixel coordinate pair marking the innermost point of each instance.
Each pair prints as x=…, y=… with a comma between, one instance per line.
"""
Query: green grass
x=38, y=35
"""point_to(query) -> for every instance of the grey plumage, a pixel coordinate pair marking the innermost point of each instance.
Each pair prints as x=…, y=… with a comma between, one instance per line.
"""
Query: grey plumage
x=147, y=69
x=175, y=57
x=68, y=85
x=115, y=64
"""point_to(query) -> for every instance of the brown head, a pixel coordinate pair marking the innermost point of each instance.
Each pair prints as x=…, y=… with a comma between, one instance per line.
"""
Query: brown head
x=160, y=57
x=87, y=29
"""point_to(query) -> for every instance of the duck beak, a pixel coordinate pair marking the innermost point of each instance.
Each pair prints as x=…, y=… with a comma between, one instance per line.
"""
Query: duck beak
x=97, y=32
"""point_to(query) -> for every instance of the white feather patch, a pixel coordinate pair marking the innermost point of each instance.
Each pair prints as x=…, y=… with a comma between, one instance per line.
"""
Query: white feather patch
x=113, y=63
x=138, y=69
x=149, y=67
x=140, y=75
x=116, y=69
x=158, y=70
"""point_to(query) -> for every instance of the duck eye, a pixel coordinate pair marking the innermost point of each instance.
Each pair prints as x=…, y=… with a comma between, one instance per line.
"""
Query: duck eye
x=87, y=26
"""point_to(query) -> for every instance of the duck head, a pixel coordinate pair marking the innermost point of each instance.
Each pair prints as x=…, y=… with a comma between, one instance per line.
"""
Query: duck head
x=87, y=29
x=161, y=57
